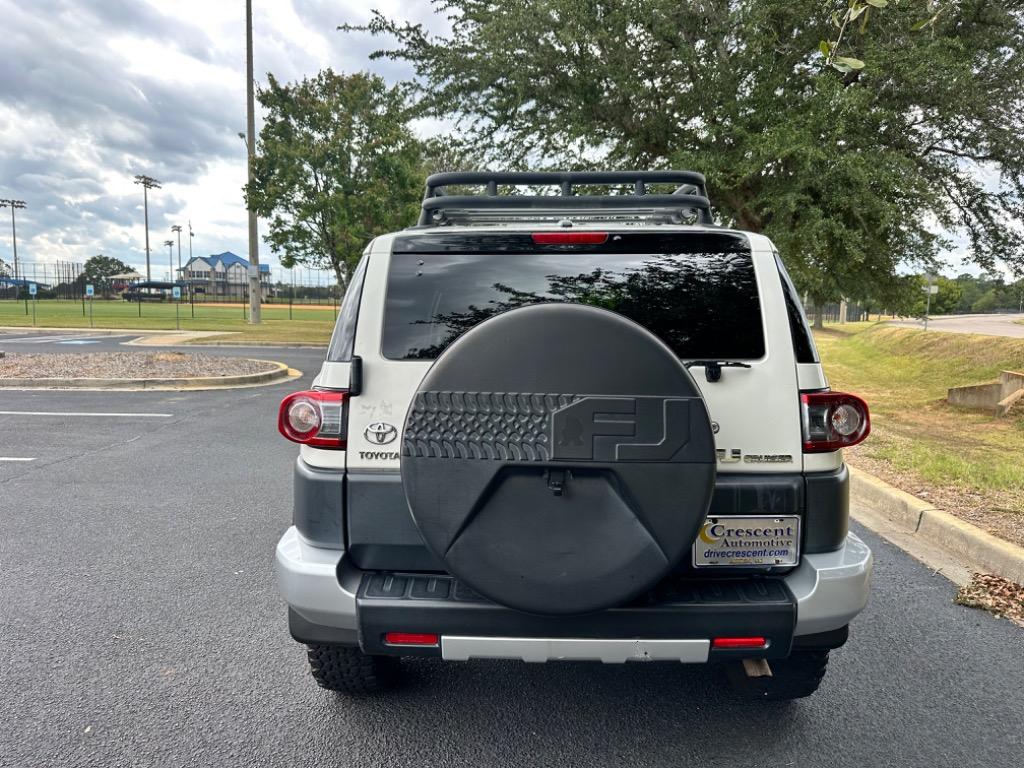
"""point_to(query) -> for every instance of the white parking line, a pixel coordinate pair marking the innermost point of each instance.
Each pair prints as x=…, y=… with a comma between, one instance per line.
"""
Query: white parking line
x=35, y=339
x=98, y=337
x=15, y=458
x=62, y=338
x=89, y=413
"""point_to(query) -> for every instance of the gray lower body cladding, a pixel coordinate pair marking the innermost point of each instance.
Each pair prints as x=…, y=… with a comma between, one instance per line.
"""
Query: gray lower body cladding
x=366, y=513
x=322, y=589
x=676, y=609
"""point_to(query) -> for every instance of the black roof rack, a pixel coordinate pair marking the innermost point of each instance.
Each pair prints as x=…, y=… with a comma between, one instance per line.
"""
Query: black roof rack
x=689, y=198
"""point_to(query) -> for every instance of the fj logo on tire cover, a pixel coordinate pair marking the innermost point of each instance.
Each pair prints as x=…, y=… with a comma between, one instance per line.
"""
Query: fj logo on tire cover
x=621, y=429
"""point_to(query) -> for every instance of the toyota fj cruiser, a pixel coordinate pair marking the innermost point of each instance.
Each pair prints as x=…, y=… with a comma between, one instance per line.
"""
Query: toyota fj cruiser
x=586, y=424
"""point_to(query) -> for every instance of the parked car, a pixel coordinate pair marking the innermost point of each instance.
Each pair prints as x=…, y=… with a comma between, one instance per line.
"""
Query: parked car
x=573, y=426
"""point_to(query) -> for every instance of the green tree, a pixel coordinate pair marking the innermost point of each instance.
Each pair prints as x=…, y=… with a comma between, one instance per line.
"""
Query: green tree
x=896, y=296
x=987, y=302
x=336, y=164
x=971, y=289
x=850, y=169
x=98, y=270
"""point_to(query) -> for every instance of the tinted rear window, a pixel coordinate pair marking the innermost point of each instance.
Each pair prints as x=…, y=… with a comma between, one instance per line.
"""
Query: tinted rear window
x=699, y=295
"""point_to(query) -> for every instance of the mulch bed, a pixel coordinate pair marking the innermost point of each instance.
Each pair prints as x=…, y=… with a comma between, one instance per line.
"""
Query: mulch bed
x=126, y=365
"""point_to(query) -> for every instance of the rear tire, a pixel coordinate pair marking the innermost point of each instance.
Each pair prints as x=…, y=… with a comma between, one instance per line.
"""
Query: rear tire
x=347, y=669
x=793, y=678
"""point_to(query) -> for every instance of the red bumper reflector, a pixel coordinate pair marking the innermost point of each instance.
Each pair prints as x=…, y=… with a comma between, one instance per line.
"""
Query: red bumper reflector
x=411, y=638
x=569, y=238
x=730, y=643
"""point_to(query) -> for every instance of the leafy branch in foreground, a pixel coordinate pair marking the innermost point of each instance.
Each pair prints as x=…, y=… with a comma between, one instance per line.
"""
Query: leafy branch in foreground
x=830, y=49
x=851, y=176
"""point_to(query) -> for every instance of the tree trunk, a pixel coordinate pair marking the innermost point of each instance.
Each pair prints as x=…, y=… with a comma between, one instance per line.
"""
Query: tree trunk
x=819, y=313
x=341, y=275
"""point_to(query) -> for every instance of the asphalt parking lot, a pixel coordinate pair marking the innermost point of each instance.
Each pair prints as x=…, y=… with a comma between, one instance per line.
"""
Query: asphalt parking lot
x=140, y=626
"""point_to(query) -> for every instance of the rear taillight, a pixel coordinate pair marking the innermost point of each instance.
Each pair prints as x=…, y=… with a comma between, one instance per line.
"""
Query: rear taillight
x=411, y=638
x=570, y=238
x=739, y=643
x=315, y=417
x=833, y=420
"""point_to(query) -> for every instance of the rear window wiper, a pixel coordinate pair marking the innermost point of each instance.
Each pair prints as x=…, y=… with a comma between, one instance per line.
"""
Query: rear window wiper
x=713, y=368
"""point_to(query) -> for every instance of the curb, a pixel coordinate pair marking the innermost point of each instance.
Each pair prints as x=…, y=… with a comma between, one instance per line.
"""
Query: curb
x=243, y=345
x=983, y=551
x=280, y=372
x=44, y=330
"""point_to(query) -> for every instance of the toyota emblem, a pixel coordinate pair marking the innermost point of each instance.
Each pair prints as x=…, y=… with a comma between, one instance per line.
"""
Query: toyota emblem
x=380, y=433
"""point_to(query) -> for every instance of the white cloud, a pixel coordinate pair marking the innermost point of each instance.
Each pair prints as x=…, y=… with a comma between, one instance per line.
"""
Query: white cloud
x=92, y=94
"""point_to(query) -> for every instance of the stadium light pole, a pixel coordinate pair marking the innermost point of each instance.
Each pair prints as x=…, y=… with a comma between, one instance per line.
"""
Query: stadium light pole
x=170, y=259
x=177, y=228
x=13, y=205
x=148, y=183
x=255, y=295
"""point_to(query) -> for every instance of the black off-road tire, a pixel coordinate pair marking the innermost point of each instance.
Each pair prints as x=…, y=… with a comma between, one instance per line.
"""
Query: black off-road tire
x=794, y=678
x=348, y=670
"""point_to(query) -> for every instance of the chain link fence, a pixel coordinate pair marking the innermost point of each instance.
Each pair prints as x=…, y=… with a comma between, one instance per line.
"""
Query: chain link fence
x=66, y=280
x=833, y=313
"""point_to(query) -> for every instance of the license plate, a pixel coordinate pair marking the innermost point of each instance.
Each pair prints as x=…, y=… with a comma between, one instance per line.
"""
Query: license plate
x=755, y=540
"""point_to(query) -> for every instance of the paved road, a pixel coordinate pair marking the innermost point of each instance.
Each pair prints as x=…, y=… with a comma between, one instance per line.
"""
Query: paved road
x=61, y=341
x=77, y=342
x=139, y=625
x=989, y=325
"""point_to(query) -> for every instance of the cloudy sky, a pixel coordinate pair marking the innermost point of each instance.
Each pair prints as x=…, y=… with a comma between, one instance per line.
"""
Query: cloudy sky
x=93, y=92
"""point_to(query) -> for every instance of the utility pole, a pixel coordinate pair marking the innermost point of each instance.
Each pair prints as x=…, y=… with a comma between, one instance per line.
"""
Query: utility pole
x=255, y=295
x=929, y=290
x=191, y=236
x=148, y=183
x=170, y=259
x=13, y=204
x=177, y=228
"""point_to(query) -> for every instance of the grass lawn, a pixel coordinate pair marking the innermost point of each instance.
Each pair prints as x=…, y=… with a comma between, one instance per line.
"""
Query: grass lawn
x=308, y=324
x=965, y=461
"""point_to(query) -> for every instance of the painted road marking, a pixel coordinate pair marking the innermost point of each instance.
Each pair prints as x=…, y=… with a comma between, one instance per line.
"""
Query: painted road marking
x=89, y=413
x=38, y=339
x=15, y=458
x=62, y=339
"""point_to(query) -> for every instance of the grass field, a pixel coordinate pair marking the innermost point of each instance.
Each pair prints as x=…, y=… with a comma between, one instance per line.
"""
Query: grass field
x=965, y=461
x=309, y=324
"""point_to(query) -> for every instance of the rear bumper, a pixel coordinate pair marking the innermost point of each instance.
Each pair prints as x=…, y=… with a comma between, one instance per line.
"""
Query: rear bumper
x=322, y=589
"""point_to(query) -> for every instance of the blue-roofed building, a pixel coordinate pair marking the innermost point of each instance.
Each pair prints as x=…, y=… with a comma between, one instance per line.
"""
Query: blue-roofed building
x=223, y=274
x=11, y=282
x=13, y=288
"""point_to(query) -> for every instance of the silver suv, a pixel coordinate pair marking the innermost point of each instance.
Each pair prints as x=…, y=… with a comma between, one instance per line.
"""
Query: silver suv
x=583, y=424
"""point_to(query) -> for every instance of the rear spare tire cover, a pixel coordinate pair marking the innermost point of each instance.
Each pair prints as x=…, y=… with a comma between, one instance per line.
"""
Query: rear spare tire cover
x=558, y=458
